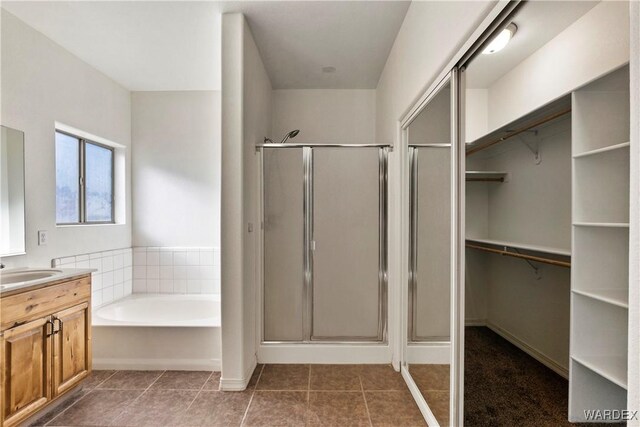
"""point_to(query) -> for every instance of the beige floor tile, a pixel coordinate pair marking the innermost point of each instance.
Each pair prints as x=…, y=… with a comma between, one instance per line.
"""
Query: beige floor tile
x=335, y=377
x=381, y=377
x=97, y=408
x=430, y=377
x=213, y=383
x=131, y=380
x=157, y=408
x=217, y=408
x=438, y=402
x=43, y=419
x=255, y=376
x=284, y=377
x=277, y=408
x=182, y=380
x=96, y=378
x=393, y=408
x=337, y=408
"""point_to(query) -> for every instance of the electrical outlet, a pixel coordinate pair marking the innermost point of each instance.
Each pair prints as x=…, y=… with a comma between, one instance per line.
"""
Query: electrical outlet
x=43, y=238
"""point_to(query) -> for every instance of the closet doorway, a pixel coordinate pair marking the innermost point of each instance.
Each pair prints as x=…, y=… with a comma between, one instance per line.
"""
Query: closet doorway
x=547, y=210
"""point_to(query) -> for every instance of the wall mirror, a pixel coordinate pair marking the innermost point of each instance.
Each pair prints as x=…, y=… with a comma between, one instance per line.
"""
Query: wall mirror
x=428, y=335
x=546, y=216
x=12, y=215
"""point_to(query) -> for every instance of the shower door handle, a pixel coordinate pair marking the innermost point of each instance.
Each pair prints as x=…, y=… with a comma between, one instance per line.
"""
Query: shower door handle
x=313, y=246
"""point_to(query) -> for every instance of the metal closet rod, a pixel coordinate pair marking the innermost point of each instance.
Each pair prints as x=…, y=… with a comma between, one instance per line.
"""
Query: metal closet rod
x=484, y=179
x=521, y=256
x=518, y=131
x=319, y=144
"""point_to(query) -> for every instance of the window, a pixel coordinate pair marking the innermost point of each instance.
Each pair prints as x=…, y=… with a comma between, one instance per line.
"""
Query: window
x=84, y=181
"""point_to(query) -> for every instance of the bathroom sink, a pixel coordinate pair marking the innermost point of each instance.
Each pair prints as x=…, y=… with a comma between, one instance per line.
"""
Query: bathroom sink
x=27, y=275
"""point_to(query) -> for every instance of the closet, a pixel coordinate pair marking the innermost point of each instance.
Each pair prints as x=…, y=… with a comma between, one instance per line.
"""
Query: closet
x=547, y=217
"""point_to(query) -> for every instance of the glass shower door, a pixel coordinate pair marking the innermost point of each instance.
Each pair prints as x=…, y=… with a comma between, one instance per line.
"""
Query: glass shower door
x=283, y=205
x=348, y=244
x=430, y=243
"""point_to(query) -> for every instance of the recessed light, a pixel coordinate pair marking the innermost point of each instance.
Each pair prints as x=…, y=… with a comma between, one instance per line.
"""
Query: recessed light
x=328, y=69
x=501, y=40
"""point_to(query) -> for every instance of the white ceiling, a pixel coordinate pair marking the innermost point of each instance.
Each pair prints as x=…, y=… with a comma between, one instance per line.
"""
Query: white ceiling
x=175, y=45
x=538, y=22
x=144, y=46
x=297, y=38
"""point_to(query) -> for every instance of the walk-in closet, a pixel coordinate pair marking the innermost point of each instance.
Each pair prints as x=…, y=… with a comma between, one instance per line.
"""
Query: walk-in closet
x=547, y=218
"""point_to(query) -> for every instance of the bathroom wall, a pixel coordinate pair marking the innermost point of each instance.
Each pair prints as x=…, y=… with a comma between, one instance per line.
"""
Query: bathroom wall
x=113, y=278
x=325, y=115
x=170, y=270
x=423, y=46
x=176, y=168
x=43, y=83
x=246, y=119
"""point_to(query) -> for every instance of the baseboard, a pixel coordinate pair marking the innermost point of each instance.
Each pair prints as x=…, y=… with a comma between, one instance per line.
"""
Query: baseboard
x=419, y=399
x=157, y=364
x=239, y=384
x=429, y=353
x=540, y=357
x=324, y=353
x=475, y=322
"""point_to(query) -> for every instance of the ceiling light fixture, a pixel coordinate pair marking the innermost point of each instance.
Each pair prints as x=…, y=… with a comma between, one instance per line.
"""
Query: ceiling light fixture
x=501, y=40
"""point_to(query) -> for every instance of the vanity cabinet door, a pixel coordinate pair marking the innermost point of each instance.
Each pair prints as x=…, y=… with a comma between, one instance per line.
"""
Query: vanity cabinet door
x=25, y=354
x=72, y=347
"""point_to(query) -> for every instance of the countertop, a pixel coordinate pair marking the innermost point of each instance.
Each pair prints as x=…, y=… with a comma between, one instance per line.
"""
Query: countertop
x=65, y=273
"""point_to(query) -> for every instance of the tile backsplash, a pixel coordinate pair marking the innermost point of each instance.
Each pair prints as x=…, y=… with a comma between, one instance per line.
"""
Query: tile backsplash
x=114, y=276
x=176, y=270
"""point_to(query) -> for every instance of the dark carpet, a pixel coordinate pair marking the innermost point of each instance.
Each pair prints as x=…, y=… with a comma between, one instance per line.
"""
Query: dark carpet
x=504, y=386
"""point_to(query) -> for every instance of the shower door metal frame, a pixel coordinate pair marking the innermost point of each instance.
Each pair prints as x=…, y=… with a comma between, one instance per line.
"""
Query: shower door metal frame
x=308, y=243
x=412, y=333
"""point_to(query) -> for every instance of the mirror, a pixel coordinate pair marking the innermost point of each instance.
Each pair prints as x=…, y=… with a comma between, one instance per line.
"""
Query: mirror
x=427, y=352
x=12, y=217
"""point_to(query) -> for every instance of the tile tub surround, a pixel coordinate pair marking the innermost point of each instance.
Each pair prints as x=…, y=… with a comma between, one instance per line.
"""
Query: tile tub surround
x=317, y=395
x=176, y=270
x=114, y=276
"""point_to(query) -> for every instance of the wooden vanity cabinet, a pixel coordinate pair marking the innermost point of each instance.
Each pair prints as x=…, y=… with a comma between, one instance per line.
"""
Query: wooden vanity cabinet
x=45, y=346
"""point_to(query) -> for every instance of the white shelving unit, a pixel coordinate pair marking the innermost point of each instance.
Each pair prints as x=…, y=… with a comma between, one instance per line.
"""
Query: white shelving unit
x=488, y=176
x=600, y=263
x=523, y=246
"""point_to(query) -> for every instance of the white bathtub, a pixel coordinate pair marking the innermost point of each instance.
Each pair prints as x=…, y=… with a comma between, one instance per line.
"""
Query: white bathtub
x=161, y=310
x=158, y=331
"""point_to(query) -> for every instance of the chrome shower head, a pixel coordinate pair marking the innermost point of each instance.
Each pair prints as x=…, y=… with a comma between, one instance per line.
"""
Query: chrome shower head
x=291, y=134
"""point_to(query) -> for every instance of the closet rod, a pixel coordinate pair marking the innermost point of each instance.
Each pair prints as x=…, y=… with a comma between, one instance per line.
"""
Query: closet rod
x=522, y=256
x=484, y=179
x=518, y=131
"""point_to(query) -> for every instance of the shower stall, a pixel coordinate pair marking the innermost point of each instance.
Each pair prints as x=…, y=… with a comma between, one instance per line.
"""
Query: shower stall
x=324, y=243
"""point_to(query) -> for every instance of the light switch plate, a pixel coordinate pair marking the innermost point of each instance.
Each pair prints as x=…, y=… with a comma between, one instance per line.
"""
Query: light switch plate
x=42, y=237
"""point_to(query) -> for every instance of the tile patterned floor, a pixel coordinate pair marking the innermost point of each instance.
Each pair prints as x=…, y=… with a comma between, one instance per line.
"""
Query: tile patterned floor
x=278, y=395
x=433, y=383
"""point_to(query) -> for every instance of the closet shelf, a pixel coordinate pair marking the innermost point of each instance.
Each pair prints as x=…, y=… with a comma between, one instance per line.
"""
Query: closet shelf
x=486, y=176
x=602, y=224
x=523, y=246
x=601, y=150
x=618, y=297
x=613, y=369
